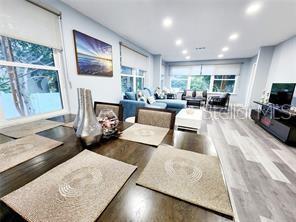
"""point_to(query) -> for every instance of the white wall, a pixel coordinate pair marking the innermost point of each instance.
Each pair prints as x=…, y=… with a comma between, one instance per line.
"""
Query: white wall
x=242, y=84
x=103, y=88
x=167, y=76
x=275, y=64
x=251, y=79
x=157, y=61
x=261, y=73
x=283, y=64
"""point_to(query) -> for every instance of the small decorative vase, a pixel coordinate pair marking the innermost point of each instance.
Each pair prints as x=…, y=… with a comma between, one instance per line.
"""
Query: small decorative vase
x=89, y=129
x=109, y=121
x=78, y=117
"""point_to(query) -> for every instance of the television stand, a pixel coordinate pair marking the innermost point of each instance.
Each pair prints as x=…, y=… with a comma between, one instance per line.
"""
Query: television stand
x=279, y=122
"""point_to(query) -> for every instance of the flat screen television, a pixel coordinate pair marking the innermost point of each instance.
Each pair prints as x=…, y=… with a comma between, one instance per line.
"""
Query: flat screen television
x=282, y=93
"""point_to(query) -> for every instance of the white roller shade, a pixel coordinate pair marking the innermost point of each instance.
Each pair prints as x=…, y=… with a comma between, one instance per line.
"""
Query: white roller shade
x=22, y=20
x=133, y=59
x=185, y=70
x=228, y=69
x=208, y=70
x=195, y=70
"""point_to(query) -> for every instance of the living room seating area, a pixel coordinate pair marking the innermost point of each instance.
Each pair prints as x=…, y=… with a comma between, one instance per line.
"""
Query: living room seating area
x=195, y=98
x=130, y=103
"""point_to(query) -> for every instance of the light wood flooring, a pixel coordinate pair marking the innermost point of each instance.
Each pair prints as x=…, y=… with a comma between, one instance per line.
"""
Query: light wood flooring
x=259, y=170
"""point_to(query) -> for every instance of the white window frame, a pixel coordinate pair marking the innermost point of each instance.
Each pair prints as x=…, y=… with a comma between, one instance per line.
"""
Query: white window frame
x=185, y=78
x=134, y=75
x=57, y=56
x=234, y=87
x=210, y=90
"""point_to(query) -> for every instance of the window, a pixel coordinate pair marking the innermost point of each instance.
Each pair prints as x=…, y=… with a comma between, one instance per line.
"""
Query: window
x=127, y=84
x=140, y=79
x=126, y=70
x=29, y=79
x=213, y=78
x=131, y=79
x=200, y=83
x=182, y=82
x=224, y=83
x=179, y=83
x=139, y=83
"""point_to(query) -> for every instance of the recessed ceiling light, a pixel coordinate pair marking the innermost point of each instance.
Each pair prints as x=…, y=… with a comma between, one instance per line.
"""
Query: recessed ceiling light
x=225, y=49
x=167, y=22
x=253, y=8
x=220, y=56
x=233, y=36
x=179, y=42
x=187, y=57
x=184, y=51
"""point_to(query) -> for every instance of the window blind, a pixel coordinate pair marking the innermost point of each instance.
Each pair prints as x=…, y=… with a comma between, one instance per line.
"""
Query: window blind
x=227, y=69
x=25, y=21
x=133, y=59
x=185, y=70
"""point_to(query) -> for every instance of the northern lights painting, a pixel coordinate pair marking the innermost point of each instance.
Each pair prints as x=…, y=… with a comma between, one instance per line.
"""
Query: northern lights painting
x=93, y=56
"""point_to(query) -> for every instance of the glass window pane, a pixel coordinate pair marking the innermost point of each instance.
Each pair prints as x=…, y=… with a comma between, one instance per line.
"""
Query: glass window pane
x=1, y=50
x=127, y=84
x=178, y=84
x=230, y=77
x=200, y=83
x=224, y=76
x=180, y=77
x=4, y=80
x=34, y=91
x=126, y=70
x=139, y=83
x=223, y=86
x=26, y=52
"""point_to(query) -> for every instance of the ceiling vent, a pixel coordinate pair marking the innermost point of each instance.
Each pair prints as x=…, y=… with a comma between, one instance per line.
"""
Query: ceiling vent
x=200, y=48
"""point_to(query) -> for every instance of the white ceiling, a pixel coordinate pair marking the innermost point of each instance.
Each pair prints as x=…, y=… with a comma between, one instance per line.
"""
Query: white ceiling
x=198, y=22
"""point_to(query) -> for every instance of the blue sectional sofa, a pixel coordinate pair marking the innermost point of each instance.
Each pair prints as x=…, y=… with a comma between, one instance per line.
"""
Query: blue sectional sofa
x=130, y=103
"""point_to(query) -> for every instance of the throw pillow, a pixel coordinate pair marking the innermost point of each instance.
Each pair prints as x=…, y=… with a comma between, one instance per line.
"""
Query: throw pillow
x=146, y=92
x=142, y=99
x=194, y=93
x=157, y=96
x=151, y=99
x=188, y=93
x=139, y=94
x=198, y=94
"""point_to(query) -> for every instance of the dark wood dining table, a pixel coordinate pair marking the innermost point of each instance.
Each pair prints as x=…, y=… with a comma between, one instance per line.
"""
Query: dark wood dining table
x=132, y=202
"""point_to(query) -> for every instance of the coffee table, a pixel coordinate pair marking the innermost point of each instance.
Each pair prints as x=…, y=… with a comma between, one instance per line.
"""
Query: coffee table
x=189, y=119
x=195, y=102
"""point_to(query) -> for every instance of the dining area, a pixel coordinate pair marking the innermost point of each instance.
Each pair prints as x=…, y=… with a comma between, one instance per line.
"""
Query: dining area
x=142, y=171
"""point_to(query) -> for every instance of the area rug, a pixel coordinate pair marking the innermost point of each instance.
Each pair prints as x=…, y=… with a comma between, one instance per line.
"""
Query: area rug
x=151, y=135
x=189, y=176
x=18, y=151
x=77, y=190
x=30, y=128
